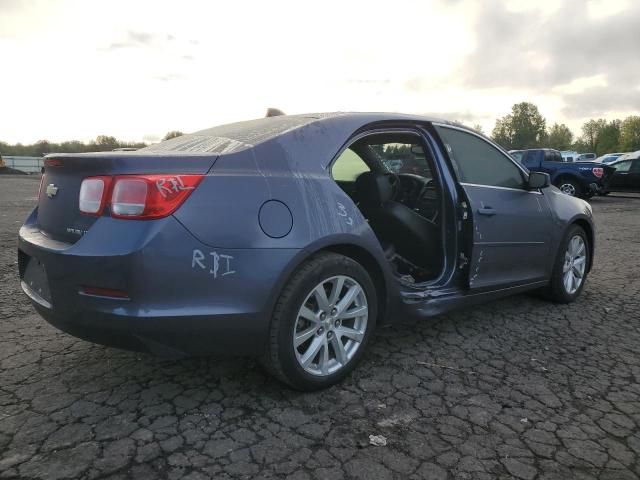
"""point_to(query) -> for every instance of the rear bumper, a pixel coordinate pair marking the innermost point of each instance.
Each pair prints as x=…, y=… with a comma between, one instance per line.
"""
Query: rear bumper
x=169, y=336
x=184, y=297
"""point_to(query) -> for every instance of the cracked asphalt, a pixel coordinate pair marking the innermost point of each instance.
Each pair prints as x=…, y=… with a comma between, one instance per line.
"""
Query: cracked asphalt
x=517, y=388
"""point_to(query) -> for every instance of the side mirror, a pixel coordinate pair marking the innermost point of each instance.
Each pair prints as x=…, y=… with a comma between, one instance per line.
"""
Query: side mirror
x=538, y=180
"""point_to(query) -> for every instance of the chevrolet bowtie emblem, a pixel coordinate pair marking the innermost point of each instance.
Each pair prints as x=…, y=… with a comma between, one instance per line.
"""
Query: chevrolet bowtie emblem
x=51, y=190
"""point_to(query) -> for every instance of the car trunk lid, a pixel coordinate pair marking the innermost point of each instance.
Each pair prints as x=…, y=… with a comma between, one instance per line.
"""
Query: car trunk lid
x=59, y=215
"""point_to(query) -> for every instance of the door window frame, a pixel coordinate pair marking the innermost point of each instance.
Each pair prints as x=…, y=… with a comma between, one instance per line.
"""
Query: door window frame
x=337, y=158
x=429, y=140
x=504, y=153
x=380, y=167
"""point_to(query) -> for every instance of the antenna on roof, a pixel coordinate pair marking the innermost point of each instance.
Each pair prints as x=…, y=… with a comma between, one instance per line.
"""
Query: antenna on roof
x=274, y=112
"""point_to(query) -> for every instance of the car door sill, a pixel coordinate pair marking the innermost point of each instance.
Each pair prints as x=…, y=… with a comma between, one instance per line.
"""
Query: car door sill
x=435, y=301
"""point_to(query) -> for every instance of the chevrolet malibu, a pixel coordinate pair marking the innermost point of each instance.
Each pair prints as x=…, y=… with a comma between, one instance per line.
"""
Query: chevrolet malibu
x=291, y=238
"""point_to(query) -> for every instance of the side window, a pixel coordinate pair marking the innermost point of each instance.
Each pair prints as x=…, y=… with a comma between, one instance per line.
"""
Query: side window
x=635, y=167
x=529, y=159
x=519, y=156
x=399, y=157
x=551, y=156
x=348, y=166
x=479, y=162
x=623, y=166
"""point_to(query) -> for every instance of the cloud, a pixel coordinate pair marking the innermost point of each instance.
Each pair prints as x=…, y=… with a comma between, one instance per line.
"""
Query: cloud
x=467, y=118
x=597, y=101
x=538, y=50
x=6, y=5
x=133, y=39
x=167, y=77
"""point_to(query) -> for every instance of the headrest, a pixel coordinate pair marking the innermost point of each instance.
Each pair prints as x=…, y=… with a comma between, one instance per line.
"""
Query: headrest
x=373, y=189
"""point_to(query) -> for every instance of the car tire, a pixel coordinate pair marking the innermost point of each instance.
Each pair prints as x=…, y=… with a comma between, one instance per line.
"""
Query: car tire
x=569, y=187
x=566, y=260
x=300, y=313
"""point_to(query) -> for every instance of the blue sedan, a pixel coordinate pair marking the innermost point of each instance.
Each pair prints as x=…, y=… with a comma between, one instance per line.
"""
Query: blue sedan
x=291, y=238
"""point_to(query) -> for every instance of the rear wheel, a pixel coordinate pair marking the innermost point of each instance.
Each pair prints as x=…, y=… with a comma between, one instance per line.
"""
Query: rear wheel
x=569, y=186
x=321, y=323
x=570, y=270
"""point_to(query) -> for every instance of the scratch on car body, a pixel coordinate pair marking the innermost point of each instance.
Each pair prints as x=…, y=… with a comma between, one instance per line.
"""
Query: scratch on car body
x=198, y=259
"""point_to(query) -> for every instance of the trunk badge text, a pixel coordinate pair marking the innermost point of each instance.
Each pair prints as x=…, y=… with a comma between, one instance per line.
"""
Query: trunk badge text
x=51, y=190
x=75, y=231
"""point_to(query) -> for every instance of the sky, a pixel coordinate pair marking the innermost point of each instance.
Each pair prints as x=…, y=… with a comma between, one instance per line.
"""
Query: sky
x=136, y=69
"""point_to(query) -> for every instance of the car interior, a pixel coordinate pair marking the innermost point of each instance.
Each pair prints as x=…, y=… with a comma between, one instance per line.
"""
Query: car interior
x=389, y=176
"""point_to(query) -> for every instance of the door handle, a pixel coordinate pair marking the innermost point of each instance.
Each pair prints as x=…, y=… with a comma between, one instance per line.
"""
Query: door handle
x=486, y=211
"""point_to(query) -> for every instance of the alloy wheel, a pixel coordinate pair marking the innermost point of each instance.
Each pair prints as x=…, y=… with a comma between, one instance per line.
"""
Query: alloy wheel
x=575, y=263
x=568, y=189
x=331, y=325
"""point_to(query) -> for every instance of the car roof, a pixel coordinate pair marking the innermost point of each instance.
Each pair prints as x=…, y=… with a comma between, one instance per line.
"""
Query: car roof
x=238, y=136
x=628, y=156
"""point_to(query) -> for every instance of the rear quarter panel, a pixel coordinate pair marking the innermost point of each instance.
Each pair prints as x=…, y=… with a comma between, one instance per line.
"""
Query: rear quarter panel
x=225, y=210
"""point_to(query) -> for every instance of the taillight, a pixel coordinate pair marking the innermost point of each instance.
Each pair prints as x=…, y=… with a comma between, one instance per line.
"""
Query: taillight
x=151, y=196
x=93, y=195
x=129, y=197
x=141, y=197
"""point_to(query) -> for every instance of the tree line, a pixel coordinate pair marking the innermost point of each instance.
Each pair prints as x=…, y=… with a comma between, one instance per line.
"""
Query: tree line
x=525, y=128
x=102, y=143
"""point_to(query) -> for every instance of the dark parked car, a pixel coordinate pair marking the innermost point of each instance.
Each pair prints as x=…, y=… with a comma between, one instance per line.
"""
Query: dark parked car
x=608, y=157
x=627, y=175
x=578, y=179
x=290, y=238
x=586, y=157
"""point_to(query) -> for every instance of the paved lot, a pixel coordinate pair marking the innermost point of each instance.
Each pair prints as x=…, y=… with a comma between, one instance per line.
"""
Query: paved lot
x=515, y=389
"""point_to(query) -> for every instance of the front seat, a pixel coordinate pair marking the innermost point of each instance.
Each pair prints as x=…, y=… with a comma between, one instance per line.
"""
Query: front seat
x=414, y=237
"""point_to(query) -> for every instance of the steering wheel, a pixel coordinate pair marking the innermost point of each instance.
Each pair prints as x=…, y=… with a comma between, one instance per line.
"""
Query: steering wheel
x=394, y=181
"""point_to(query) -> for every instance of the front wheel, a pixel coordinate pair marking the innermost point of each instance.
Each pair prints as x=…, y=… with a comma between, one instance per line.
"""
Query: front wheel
x=571, y=266
x=569, y=187
x=321, y=323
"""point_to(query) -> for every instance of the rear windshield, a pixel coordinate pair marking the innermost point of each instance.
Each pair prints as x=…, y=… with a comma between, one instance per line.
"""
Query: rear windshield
x=232, y=137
